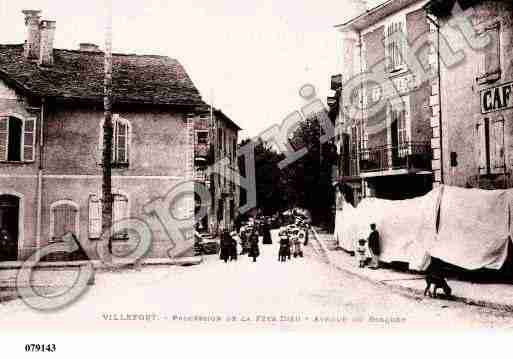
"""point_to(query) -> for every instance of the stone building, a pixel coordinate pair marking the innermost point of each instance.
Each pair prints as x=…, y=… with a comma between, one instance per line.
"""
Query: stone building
x=476, y=94
x=386, y=127
x=51, y=123
x=216, y=140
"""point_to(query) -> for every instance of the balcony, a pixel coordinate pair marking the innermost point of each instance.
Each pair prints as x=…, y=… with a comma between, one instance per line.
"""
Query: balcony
x=410, y=156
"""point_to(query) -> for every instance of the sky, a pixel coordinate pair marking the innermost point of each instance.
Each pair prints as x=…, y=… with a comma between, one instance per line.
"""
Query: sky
x=249, y=58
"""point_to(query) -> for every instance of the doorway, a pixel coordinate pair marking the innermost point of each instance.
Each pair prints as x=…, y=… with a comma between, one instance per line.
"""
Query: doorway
x=9, y=217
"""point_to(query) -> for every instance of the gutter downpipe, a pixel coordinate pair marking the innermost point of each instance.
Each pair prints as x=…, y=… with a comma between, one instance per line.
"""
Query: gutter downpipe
x=40, y=177
x=358, y=154
x=439, y=97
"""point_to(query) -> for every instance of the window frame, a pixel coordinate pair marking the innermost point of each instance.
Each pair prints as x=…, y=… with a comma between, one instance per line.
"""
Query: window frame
x=128, y=139
x=484, y=76
x=99, y=200
x=487, y=145
x=24, y=119
x=395, y=52
x=53, y=206
x=198, y=132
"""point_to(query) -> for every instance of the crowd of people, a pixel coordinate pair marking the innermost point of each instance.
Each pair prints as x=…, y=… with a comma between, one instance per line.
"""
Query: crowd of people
x=292, y=239
x=242, y=243
x=293, y=236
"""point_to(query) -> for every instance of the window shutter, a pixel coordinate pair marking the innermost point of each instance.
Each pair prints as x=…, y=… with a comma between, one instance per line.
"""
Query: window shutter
x=95, y=217
x=29, y=139
x=4, y=138
x=481, y=146
x=388, y=49
x=121, y=146
x=64, y=221
x=120, y=212
x=497, y=155
x=492, y=54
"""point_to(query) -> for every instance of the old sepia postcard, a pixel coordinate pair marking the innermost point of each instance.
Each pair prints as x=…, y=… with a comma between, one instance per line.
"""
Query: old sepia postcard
x=211, y=166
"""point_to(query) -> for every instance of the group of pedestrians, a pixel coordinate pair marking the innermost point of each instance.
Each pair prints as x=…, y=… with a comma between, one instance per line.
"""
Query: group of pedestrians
x=248, y=242
x=292, y=239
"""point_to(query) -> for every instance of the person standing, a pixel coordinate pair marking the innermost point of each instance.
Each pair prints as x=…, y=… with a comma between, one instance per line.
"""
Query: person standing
x=374, y=247
x=233, y=245
x=5, y=244
x=225, y=246
x=267, y=232
x=254, y=251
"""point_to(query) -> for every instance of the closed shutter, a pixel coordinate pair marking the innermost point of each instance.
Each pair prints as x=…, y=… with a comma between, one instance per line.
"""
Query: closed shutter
x=64, y=221
x=4, y=138
x=481, y=147
x=497, y=155
x=29, y=139
x=120, y=142
x=400, y=132
x=95, y=217
x=395, y=46
x=492, y=53
x=120, y=212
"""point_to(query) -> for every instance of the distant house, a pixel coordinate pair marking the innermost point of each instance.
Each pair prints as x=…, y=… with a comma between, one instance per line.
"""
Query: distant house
x=216, y=139
x=51, y=119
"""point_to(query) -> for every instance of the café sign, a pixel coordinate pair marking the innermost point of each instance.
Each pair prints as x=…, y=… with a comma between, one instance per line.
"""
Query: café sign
x=497, y=98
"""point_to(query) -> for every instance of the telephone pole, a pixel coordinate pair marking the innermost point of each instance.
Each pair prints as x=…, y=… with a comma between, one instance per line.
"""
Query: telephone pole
x=107, y=130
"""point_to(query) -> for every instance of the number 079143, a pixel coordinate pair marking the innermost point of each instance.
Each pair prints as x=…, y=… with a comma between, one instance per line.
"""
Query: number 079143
x=35, y=348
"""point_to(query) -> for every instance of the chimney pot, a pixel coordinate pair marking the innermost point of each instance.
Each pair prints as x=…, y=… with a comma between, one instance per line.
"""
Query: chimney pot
x=89, y=47
x=47, y=28
x=32, y=42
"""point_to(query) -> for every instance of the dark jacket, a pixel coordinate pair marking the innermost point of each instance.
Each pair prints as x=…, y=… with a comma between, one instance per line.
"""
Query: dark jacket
x=254, y=251
x=374, y=243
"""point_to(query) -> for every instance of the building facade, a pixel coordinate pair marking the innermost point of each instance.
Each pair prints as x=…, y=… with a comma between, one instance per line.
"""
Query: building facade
x=51, y=130
x=386, y=139
x=216, y=138
x=477, y=100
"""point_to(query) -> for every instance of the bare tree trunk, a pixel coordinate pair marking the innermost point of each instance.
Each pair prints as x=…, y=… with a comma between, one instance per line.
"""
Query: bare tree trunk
x=107, y=130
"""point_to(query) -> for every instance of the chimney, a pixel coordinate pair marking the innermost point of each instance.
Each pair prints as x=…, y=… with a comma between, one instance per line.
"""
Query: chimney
x=360, y=6
x=47, y=28
x=88, y=47
x=32, y=43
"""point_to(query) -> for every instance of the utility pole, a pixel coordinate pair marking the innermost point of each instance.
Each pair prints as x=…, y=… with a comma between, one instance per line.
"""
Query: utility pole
x=107, y=130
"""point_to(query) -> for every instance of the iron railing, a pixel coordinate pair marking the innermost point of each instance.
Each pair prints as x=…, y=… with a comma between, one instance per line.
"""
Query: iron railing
x=408, y=155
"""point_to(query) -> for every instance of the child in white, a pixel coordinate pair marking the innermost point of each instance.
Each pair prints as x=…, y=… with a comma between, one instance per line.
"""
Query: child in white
x=361, y=252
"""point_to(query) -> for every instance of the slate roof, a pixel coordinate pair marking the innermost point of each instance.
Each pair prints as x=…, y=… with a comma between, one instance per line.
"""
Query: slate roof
x=78, y=75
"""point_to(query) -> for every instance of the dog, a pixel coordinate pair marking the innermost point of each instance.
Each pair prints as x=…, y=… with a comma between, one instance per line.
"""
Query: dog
x=438, y=281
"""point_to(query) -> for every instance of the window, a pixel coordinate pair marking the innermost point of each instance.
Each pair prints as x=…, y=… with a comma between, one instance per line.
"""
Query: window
x=17, y=139
x=120, y=211
x=120, y=141
x=400, y=138
x=491, y=151
x=64, y=219
x=220, y=209
x=95, y=217
x=395, y=46
x=220, y=141
x=120, y=150
x=202, y=137
x=359, y=140
x=491, y=64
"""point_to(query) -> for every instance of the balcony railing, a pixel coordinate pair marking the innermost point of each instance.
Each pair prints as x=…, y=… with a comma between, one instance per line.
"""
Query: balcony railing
x=409, y=155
